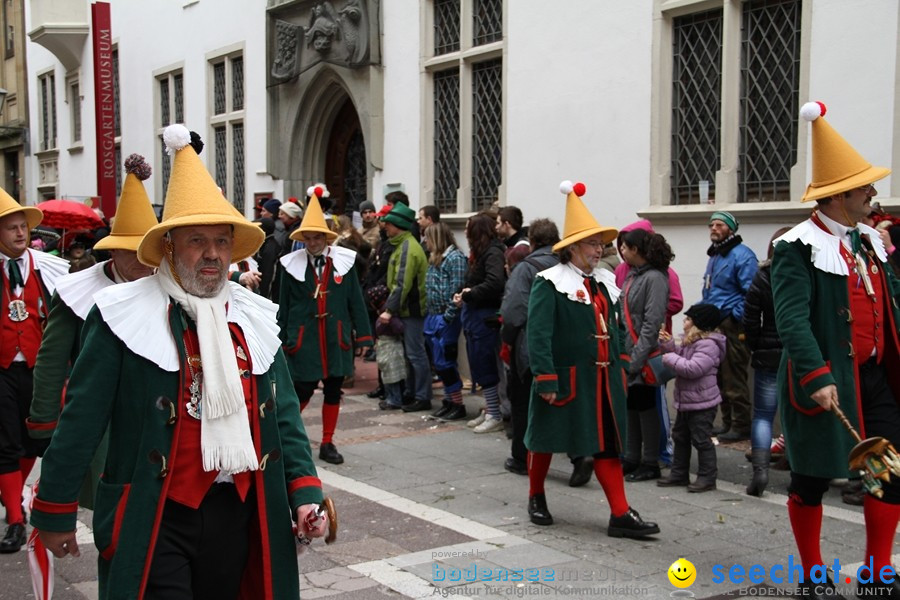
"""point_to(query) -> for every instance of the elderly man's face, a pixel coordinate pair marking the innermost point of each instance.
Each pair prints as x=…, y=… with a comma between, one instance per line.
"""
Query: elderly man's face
x=128, y=266
x=14, y=233
x=202, y=254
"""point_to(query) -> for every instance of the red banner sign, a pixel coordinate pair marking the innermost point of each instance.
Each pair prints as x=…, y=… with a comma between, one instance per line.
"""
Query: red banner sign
x=104, y=107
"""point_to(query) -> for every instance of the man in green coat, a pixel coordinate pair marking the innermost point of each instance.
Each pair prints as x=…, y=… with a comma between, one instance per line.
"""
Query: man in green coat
x=575, y=349
x=74, y=298
x=836, y=313
x=209, y=465
x=320, y=310
x=406, y=299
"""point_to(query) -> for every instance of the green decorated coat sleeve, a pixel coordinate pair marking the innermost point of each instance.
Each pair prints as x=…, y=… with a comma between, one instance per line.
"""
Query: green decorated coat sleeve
x=59, y=347
x=539, y=329
x=89, y=401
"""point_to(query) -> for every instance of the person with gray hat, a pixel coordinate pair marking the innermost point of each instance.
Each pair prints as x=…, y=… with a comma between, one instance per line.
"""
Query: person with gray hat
x=729, y=273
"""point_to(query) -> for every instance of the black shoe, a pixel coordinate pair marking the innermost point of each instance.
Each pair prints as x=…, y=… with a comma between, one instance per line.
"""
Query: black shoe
x=370, y=355
x=702, y=485
x=853, y=493
x=417, y=406
x=538, y=511
x=583, y=468
x=385, y=405
x=629, y=467
x=515, y=466
x=443, y=410
x=14, y=538
x=329, y=454
x=672, y=480
x=376, y=393
x=457, y=412
x=630, y=525
x=734, y=436
x=644, y=473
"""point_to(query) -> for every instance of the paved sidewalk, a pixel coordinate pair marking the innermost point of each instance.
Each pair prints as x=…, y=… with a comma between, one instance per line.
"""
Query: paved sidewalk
x=426, y=509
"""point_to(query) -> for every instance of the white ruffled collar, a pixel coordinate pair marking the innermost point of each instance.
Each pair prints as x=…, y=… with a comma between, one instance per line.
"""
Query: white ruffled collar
x=569, y=280
x=342, y=259
x=151, y=336
x=77, y=290
x=825, y=247
x=52, y=268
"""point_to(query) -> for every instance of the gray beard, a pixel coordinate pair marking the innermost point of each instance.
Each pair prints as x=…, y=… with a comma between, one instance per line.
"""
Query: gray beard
x=195, y=284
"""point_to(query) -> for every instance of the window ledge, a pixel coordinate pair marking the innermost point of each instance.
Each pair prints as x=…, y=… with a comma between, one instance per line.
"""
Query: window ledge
x=750, y=212
x=76, y=148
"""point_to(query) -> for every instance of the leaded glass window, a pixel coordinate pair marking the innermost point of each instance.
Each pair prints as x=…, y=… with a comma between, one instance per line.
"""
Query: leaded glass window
x=237, y=83
x=219, y=88
x=178, y=85
x=770, y=82
x=164, y=113
x=446, y=26
x=221, y=156
x=487, y=132
x=487, y=22
x=696, y=104
x=446, y=139
x=48, y=111
x=237, y=153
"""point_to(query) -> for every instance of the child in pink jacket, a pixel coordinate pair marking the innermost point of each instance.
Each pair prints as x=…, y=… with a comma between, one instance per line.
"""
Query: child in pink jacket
x=697, y=395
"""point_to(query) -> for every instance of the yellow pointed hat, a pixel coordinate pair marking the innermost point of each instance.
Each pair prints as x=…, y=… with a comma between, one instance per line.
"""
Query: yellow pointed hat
x=580, y=223
x=134, y=216
x=8, y=206
x=193, y=198
x=314, y=218
x=836, y=166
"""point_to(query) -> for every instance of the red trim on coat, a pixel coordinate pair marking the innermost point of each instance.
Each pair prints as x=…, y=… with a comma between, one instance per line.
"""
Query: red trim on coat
x=55, y=508
x=806, y=411
x=365, y=338
x=563, y=401
x=813, y=374
x=110, y=550
x=32, y=426
x=302, y=482
x=292, y=350
x=551, y=377
x=322, y=306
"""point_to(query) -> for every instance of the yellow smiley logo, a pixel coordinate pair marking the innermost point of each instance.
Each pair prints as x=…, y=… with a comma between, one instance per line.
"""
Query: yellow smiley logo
x=682, y=573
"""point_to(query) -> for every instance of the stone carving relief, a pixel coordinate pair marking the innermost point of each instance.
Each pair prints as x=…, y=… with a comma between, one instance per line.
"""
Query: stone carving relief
x=332, y=32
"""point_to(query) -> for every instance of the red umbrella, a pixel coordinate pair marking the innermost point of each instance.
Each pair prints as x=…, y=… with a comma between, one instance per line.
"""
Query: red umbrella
x=66, y=214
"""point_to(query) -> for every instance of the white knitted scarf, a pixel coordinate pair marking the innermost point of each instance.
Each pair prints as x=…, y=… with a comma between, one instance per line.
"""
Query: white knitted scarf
x=225, y=440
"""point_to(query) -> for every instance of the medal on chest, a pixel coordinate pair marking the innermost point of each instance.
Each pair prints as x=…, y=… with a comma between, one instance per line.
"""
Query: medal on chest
x=18, y=312
x=194, y=404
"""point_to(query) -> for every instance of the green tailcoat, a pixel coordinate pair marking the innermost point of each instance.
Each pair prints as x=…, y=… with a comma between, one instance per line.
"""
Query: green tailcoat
x=563, y=347
x=814, y=322
x=110, y=385
x=317, y=328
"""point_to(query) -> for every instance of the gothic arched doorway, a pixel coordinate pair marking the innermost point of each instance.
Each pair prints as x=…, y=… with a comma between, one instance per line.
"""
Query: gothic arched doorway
x=345, y=161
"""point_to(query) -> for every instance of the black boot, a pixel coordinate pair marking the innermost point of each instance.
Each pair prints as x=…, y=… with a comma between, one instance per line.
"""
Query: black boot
x=630, y=525
x=707, y=470
x=538, y=511
x=681, y=461
x=376, y=393
x=760, y=459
